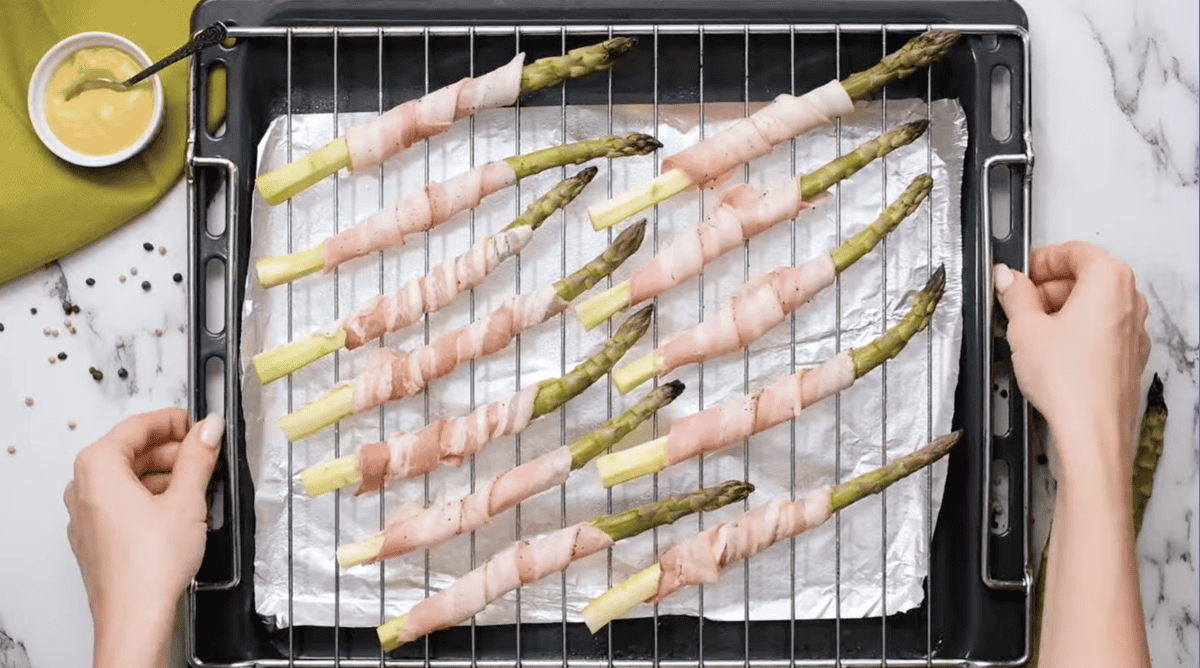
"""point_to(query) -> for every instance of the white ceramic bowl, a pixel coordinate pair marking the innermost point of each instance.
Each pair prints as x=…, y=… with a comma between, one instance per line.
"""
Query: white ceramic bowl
x=41, y=78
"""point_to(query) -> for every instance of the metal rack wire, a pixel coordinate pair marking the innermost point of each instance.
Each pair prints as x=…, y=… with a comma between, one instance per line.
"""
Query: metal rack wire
x=233, y=255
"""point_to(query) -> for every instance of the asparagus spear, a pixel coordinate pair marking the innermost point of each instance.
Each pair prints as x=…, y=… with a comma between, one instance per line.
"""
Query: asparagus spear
x=1145, y=463
x=699, y=559
x=741, y=213
x=712, y=161
x=529, y=561
x=427, y=527
x=765, y=302
x=1149, y=450
x=439, y=202
x=735, y=420
x=373, y=142
x=451, y=440
x=384, y=314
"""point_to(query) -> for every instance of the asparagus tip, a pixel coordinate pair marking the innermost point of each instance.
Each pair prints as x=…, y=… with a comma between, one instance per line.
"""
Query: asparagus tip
x=1154, y=398
x=638, y=322
x=937, y=282
x=618, y=46
x=917, y=128
x=586, y=175
x=676, y=388
x=644, y=143
x=636, y=234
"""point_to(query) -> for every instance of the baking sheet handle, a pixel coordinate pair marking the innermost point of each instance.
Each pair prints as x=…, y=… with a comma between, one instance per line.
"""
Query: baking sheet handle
x=217, y=345
x=1024, y=584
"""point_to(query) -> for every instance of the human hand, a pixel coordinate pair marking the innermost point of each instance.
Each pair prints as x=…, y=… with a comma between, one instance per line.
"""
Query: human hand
x=137, y=508
x=1079, y=345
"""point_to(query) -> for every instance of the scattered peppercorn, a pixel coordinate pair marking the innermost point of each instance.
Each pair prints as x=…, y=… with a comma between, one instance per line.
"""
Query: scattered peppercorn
x=62, y=356
x=52, y=359
x=146, y=286
x=133, y=271
x=1, y=327
x=96, y=373
x=178, y=278
x=158, y=332
x=90, y=282
x=12, y=449
x=162, y=250
x=121, y=278
x=33, y=311
x=28, y=401
x=75, y=308
x=71, y=424
x=148, y=246
x=122, y=373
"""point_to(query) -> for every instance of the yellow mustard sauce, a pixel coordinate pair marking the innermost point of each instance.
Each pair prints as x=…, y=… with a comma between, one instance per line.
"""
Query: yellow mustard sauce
x=101, y=121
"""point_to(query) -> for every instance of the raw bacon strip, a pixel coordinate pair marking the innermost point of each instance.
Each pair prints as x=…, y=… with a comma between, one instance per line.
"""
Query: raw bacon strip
x=420, y=211
x=724, y=424
x=529, y=561
x=451, y=440
x=416, y=527
x=712, y=161
x=766, y=301
x=700, y=559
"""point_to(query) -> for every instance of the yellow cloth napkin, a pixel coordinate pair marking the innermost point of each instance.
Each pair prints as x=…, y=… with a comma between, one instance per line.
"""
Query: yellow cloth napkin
x=49, y=207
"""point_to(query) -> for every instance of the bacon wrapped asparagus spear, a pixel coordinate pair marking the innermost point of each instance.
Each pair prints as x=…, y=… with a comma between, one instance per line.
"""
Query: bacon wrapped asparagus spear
x=439, y=202
x=700, y=559
x=712, y=161
x=742, y=212
x=722, y=425
x=416, y=527
x=390, y=313
x=767, y=300
x=527, y=562
x=377, y=140
x=452, y=440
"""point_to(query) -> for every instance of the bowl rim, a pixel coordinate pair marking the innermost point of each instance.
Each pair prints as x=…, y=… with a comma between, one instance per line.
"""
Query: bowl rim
x=41, y=79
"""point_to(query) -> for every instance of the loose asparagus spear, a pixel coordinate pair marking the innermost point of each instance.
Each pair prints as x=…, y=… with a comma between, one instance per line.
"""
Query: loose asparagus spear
x=712, y=161
x=737, y=419
x=451, y=440
x=373, y=142
x=437, y=203
x=1145, y=463
x=529, y=561
x=741, y=213
x=389, y=313
x=765, y=302
x=427, y=527
x=699, y=559
x=1149, y=450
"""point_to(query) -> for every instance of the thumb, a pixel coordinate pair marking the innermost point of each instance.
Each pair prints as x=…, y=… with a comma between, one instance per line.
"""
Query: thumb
x=1017, y=294
x=197, y=457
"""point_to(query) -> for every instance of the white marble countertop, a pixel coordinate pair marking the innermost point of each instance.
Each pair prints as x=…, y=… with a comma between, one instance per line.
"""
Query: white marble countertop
x=1115, y=109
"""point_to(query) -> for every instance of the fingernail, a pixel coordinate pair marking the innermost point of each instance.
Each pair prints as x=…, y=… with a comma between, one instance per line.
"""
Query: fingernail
x=211, y=429
x=1002, y=277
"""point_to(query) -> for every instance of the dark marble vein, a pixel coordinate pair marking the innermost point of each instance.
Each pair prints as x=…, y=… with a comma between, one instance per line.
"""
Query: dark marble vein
x=1153, y=68
x=1183, y=353
x=12, y=653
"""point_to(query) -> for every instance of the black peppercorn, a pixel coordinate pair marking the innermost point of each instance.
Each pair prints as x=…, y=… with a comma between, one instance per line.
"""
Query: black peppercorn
x=178, y=278
x=96, y=373
x=62, y=356
x=90, y=282
x=146, y=286
x=33, y=311
x=148, y=246
x=122, y=373
x=1, y=327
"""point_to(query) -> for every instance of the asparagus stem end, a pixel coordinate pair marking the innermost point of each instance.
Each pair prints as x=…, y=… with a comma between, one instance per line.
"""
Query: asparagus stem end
x=618, y=467
x=280, y=269
x=271, y=365
x=324, y=478
x=637, y=372
x=622, y=598
x=335, y=406
x=599, y=308
x=639, y=198
x=279, y=185
x=361, y=552
x=389, y=633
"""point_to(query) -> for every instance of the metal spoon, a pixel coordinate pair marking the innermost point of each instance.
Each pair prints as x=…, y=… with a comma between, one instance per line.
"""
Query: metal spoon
x=203, y=39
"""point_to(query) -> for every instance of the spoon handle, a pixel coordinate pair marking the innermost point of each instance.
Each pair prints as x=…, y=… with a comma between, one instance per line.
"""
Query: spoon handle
x=201, y=40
